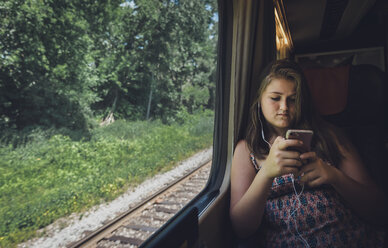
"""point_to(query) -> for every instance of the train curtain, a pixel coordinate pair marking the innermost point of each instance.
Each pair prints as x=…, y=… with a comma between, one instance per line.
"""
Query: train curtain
x=253, y=47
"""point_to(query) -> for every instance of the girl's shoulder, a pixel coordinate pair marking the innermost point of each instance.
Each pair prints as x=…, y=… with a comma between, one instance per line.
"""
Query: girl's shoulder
x=242, y=149
x=242, y=142
x=241, y=145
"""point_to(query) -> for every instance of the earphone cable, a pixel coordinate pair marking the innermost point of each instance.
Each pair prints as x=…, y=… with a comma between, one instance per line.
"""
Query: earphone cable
x=291, y=214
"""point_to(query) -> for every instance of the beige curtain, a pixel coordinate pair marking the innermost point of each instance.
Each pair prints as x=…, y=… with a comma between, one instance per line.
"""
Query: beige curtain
x=253, y=48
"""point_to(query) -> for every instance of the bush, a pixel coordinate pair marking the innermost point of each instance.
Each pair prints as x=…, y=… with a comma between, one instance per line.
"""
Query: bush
x=38, y=134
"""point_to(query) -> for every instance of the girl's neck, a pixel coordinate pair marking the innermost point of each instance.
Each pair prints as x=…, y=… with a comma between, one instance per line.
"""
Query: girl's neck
x=274, y=132
x=270, y=134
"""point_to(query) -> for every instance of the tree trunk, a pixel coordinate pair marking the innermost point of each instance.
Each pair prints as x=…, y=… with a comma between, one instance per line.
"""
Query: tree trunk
x=149, y=100
x=110, y=117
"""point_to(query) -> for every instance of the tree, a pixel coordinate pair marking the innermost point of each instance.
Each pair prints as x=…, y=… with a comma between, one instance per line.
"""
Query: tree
x=173, y=41
x=64, y=62
x=45, y=71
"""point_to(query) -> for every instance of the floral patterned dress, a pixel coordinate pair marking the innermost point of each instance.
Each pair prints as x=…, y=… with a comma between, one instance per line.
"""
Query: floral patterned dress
x=313, y=217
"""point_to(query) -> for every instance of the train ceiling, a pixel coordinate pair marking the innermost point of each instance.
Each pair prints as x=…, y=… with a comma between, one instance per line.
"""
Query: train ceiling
x=325, y=20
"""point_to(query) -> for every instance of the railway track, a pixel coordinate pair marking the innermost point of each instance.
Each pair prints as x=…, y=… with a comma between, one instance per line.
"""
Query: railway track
x=133, y=227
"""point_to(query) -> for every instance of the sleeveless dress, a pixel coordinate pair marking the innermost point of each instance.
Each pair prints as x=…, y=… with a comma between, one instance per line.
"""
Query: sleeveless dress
x=314, y=217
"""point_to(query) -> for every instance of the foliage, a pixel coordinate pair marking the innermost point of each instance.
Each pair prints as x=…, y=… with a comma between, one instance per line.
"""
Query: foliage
x=45, y=74
x=64, y=66
x=43, y=181
x=64, y=62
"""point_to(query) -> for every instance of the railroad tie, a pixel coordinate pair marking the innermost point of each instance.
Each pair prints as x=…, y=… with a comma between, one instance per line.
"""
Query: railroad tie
x=125, y=240
x=141, y=228
x=183, y=197
x=165, y=210
x=191, y=184
x=154, y=218
x=198, y=180
x=168, y=203
x=184, y=190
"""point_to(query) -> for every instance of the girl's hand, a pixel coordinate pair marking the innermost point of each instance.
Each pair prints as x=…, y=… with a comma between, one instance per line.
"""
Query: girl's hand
x=281, y=160
x=315, y=171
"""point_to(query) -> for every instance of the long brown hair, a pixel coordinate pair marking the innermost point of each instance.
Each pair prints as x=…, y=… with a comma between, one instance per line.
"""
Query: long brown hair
x=326, y=137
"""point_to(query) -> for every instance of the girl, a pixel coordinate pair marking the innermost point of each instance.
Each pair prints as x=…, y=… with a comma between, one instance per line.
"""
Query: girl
x=322, y=198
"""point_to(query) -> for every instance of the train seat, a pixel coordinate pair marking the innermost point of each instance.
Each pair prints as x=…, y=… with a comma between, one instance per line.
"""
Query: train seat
x=329, y=88
x=358, y=108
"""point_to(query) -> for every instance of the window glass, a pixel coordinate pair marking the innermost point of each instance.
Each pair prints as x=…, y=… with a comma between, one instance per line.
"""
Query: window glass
x=95, y=98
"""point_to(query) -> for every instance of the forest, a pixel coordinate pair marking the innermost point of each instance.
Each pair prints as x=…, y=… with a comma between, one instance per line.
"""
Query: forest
x=66, y=64
x=94, y=96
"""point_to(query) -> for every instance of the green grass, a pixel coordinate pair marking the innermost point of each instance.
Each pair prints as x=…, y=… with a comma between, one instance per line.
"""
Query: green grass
x=51, y=178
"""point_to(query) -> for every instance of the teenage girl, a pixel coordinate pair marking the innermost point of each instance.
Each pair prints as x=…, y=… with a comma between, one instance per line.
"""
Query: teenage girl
x=322, y=198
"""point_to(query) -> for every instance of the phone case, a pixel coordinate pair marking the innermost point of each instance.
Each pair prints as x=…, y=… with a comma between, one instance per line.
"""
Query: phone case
x=303, y=135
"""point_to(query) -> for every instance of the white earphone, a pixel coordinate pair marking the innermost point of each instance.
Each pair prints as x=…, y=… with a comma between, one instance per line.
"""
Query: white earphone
x=262, y=127
x=291, y=214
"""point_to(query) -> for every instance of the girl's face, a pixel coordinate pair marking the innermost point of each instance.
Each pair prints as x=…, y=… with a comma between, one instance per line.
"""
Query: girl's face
x=278, y=104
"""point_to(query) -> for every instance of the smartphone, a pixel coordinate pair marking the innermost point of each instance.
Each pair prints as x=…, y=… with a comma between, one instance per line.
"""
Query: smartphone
x=303, y=135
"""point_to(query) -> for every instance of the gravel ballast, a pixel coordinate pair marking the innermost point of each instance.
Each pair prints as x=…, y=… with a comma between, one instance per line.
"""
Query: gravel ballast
x=68, y=230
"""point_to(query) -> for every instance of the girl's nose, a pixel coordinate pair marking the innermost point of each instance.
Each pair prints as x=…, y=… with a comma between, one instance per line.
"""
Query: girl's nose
x=283, y=105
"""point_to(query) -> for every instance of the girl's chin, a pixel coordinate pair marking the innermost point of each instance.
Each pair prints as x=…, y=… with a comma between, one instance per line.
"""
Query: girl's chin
x=283, y=125
x=281, y=130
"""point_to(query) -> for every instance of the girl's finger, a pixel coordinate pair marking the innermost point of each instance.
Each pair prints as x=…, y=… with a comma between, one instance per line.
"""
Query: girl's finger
x=307, y=168
x=308, y=176
x=288, y=144
x=290, y=154
x=290, y=170
x=314, y=182
x=308, y=156
x=291, y=162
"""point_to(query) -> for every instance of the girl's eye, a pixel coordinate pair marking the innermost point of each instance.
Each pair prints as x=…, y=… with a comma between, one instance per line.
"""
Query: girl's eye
x=275, y=98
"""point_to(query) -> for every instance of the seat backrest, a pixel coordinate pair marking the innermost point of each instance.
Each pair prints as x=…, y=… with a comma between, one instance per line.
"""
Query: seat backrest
x=364, y=117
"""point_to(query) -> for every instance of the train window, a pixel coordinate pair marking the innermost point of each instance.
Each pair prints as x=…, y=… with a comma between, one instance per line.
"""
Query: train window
x=106, y=108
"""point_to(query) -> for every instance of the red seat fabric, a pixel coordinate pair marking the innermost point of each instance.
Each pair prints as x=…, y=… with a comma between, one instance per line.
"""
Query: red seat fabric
x=329, y=88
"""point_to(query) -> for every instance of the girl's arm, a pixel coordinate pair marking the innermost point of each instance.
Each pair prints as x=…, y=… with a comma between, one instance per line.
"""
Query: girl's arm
x=249, y=191
x=351, y=181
